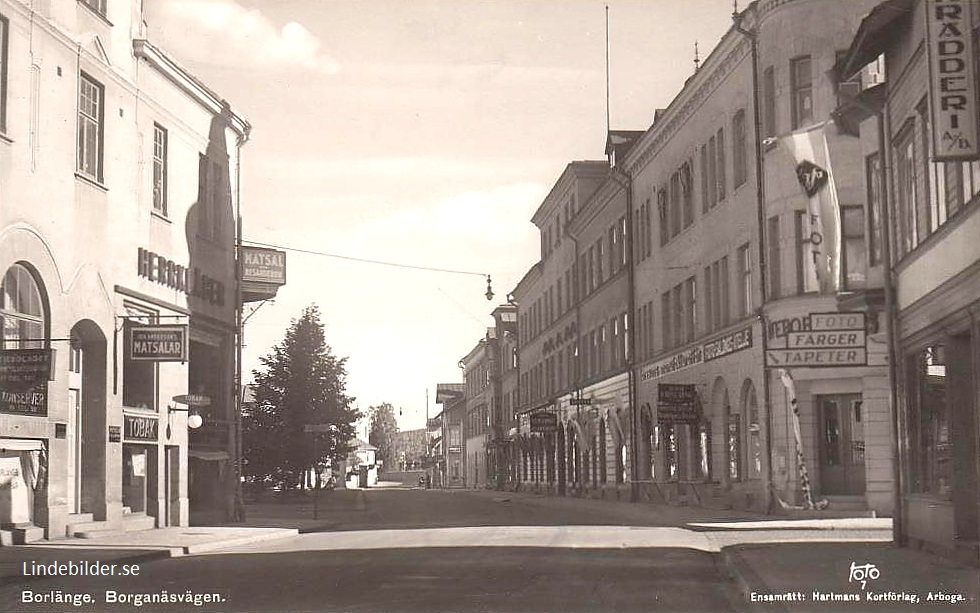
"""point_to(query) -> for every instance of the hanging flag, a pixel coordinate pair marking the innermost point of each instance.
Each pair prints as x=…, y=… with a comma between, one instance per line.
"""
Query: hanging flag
x=790, y=386
x=813, y=171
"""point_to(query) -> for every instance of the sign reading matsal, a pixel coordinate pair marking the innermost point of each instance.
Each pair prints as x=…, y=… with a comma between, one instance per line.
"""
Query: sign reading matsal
x=263, y=266
x=952, y=80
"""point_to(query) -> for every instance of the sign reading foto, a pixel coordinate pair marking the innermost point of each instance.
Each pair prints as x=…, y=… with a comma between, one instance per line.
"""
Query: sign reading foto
x=818, y=340
x=952, y=80
x=158, y=343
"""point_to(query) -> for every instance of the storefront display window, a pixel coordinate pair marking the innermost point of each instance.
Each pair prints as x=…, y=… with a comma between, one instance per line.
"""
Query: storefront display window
x=931, y=448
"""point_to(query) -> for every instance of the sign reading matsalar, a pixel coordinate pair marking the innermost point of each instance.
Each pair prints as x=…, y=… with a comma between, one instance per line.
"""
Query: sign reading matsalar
x=817, y=339
x=158, y=343
x=952, y=80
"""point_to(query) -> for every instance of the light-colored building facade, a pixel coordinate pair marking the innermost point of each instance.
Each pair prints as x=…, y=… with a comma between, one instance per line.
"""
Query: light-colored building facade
x=118, y=188
x=476, y=366
x=452, y=397
x=919, y=138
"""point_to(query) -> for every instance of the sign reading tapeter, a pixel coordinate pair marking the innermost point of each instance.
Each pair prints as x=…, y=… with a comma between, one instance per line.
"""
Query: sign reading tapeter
x=952, y=80
x=24, y=375
x=817, y=339
x=158, y=343
x=263, y=266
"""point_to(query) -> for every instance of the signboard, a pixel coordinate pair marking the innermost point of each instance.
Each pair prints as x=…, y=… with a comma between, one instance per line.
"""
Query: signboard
x=115, y=434
x=261, y=265
x=24, y=375
x=14, y=495
x=952, y=80
x=699, y=354
x=544, y=422
x=579, y=402
x=137, y=428
x=193, y=400
x=157, y=343
x=818, y=340
x=677, y=403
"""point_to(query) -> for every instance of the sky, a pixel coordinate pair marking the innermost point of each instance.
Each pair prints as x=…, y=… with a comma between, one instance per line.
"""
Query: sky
x=421, y=133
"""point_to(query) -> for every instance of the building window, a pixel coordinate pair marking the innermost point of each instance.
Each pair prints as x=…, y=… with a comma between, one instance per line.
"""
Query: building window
x=768, y=103
x=22, y=310
x=739, y=157
x=931, y=435
x=3, y=73
x=691, y=323
x=806, y=270
x=705, y=192
x=159, y=169
x=666, y=320
x=663, y=213
x=96, y=5
x=687, y=194
x=90, y=116
x=801, y=85
x=906, y=227
x=710, y=298
x=872, y=170
x=855, y=252
x=721, y=177
x=712, y=172
x=675, y=204
x=775, y=269
x=745, y=280
x=599, y=277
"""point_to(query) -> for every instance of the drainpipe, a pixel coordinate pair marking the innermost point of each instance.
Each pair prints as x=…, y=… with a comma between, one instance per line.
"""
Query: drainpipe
x=625, y=180
x=238, y=508
x=753, y=38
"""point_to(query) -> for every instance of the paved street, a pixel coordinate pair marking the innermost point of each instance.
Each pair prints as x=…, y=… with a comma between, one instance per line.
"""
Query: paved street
x=413, y=550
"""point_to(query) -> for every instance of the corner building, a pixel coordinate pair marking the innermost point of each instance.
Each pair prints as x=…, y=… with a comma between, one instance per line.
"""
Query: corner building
x=925, y=58
x=118, y=192
x=723, y=270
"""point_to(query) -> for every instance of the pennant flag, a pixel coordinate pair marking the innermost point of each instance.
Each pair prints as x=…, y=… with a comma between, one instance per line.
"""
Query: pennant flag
x=808, y=502
x=813, y=171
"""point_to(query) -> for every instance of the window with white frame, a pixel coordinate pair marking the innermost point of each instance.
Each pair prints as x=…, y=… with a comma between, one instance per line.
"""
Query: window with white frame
x=801, y=85
x=90, y=129
x=159, y=169
x=98, y=6
x=855, y=250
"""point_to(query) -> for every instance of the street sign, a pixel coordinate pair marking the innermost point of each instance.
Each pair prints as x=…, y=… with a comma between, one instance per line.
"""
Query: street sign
x=193, y=400
x=317, y=428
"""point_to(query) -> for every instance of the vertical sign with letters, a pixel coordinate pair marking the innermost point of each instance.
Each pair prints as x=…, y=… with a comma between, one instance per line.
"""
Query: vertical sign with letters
x=952, y=82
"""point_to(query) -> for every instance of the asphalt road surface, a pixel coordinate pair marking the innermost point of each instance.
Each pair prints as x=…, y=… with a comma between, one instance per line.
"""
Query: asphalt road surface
x=429, y=551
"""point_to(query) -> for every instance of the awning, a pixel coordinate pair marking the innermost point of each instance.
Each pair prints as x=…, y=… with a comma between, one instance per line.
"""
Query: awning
x=209, y=456
x=20, y=444
x=876, y=31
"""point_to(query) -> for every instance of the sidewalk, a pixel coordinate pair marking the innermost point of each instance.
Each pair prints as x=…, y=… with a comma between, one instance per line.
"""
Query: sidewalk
x=265, y=520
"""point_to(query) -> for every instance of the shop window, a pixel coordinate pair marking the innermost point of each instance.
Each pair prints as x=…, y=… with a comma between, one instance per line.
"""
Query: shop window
x=139, y=376
x=929, y=412
x=704, y=449
x=734, y=447
x=754, y=427
x=22, y=310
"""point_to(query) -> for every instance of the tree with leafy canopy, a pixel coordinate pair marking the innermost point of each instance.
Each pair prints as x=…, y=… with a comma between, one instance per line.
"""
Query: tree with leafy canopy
x=300, y=383
x=381, y=432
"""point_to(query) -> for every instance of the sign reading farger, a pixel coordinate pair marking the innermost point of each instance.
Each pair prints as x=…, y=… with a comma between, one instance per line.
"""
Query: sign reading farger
x=818, y=339
x=952, y=80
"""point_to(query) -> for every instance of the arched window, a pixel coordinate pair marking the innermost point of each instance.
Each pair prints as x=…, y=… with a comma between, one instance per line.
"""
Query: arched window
x=22, y=310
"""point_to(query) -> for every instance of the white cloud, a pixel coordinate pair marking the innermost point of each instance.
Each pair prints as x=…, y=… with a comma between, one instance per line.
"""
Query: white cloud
x=225, y=33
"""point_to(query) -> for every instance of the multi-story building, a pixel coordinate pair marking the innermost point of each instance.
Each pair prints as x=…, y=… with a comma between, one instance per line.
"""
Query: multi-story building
x=920, y=145
x=118, y=193
x=573, y=329
x=479, y=397
x=505, y=447
x=452, y=397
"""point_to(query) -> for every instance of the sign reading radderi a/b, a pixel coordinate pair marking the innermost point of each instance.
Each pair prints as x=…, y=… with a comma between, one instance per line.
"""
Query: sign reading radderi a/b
x=818, y=340
x=952, y=80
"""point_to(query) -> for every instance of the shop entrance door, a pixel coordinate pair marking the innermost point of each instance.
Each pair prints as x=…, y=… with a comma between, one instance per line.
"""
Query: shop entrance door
x=841, y=444
x=134, y=478
x=75, y=428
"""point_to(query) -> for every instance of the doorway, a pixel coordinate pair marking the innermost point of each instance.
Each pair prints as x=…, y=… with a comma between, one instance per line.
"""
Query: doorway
x=841, y=444
x=171, y=512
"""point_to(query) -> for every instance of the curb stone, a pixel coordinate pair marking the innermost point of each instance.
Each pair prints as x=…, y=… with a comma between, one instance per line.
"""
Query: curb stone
x=748, y=581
